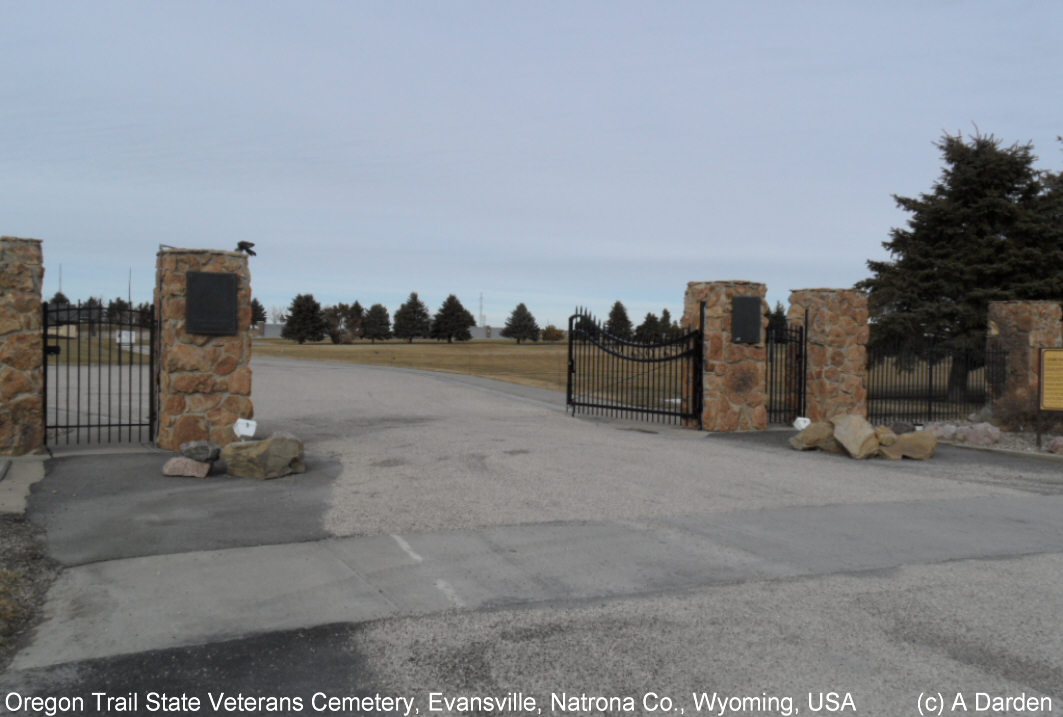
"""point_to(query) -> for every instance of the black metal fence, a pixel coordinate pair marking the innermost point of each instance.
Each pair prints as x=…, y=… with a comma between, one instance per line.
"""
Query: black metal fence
x=786, y=349
x=609, y=376
x=99, y=374
x=930, y=384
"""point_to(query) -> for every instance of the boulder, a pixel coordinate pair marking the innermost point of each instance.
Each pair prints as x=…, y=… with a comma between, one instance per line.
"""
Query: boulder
x=855, y=434
x=919, y=445
x=279, y=455
x=899, y=427
x=942, y=431
x=200, y=450
x=983, y=434
x=1055, y=445
x=818, y=435
x=885, y=436
x=183, y=466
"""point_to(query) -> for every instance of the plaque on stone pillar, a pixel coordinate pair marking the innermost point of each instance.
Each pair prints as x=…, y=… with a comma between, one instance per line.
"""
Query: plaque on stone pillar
x=211, y=304
x=745, y=320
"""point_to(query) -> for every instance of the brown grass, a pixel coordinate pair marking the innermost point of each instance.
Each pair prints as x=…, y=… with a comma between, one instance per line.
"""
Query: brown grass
x=542, y=365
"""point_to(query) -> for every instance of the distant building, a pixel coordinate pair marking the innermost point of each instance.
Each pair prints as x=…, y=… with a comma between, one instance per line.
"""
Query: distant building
x=487, y=332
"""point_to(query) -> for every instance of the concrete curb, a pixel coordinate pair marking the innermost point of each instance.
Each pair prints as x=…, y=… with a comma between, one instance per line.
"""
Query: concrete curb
x=16, y=477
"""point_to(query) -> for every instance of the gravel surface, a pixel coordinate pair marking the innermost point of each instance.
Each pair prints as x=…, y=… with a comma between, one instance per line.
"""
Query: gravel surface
x=26, y=572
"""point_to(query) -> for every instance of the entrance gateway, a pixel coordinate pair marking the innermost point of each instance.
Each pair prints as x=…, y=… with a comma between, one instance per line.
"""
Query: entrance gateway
x=100, y=374
x=662, y=381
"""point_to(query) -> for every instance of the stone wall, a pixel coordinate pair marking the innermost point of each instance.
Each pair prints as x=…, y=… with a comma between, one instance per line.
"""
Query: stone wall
x=735, y=381
x=204, y=381
x=837, y=337
x=21, y=347
x=1021, y=328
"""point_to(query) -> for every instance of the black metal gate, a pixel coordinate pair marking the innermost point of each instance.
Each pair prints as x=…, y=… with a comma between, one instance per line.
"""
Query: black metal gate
x=786, y=348
x=99, y=374
x=610, y=376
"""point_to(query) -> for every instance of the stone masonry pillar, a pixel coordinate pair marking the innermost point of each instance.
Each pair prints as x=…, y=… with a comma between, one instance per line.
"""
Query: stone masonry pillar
x=836, y=362
x=1021, y=328
x=21, y=347
x=735, y=382
x=204, y=381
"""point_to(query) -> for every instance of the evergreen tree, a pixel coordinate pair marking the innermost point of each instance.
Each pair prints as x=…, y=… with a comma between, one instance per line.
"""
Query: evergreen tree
x=988, y=230
x=258, y=312
x=669, y=329
x=116, y=309
x=618, y=324
x=335, y=323
x=521, y=325
x=58, y=299
x=777, y=318
x=412, y=319
x=452, y=321
x=305, y=322
x=353, y=322
x=649, y=331
x=377, y=323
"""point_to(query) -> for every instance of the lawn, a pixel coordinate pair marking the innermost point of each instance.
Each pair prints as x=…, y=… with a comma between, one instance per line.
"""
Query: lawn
x=532, y=364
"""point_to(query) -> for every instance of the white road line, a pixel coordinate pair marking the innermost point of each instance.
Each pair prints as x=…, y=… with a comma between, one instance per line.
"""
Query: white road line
x=448, y=590
x=406, y=547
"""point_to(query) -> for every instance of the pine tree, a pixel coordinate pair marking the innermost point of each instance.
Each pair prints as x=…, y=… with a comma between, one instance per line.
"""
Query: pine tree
x=452, y=321
x=377, y=323
x=618, y=324
x=258, y=312
x=305, y=322
x=669, y=329
x=649, y=331
x=989, y=230
x=777, y=319
x=412, y=319
x=353, y=322
x=521, y=325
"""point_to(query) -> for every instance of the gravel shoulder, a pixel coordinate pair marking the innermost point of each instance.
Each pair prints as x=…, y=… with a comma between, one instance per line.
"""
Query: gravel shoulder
x=26, y=573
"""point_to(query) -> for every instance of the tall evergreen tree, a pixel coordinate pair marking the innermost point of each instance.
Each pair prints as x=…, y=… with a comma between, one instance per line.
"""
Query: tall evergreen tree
x=669, y=329
x=649, y=331
x=452, y=321
x=989, y=229
x=618, y=324
x=305, y=322
x=353, y=322
x=412, y=319
x=521, y=325
x=377, y=323
x=258, y=312
x=777, y=318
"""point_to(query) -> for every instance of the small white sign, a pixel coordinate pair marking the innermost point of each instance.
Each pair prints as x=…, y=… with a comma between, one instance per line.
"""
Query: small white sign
x=801, y=423
x=126, y=337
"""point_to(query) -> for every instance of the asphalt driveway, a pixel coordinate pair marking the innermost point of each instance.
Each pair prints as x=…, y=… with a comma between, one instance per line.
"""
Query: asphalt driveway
x=467, y=538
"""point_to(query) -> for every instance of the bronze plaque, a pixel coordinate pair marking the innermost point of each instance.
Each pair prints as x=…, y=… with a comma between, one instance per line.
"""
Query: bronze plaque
x=745, y=320
x=211, y=306
x=1052, y=379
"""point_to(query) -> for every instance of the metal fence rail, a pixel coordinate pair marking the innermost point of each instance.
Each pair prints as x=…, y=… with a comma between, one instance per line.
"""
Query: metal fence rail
x=99, y=377
x=930, y=384
x=609, y=376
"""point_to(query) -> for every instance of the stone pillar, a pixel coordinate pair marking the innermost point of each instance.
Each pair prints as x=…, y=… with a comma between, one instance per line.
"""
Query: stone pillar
x=735, y=382
x=836, y=362
x=1021, y=328
x=21, y=347
x=204, y=381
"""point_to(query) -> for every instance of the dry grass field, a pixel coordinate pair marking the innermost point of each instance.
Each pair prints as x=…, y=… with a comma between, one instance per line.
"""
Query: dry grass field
x=542, y=365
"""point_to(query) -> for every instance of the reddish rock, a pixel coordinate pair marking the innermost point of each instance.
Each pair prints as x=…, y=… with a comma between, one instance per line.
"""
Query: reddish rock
x=181, y=466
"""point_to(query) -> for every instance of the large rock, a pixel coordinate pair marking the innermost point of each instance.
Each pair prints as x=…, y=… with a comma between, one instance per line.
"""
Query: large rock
x=919, y=445
x=279, y=455
x=200, y=450
x=182, y=466
x=885, y=436
x=983, y=434
x=856, y=435
x=818, y=435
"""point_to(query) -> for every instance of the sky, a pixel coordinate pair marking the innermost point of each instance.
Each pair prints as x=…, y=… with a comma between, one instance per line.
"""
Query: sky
x=551, y=153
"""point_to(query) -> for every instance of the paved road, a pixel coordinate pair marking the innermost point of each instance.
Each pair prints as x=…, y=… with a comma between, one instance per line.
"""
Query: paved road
x=466, y=539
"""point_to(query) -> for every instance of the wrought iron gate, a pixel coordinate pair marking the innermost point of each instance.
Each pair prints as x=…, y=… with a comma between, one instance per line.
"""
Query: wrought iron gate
x=786, y=372
x=99, y=374
x=659, y=381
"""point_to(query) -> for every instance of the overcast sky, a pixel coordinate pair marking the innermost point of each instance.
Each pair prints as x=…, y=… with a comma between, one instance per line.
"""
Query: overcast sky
x=555, y=153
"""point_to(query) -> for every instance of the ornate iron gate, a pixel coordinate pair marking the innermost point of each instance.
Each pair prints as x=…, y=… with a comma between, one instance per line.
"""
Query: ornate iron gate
x=610, y=376
x=786, y=372
x=99, y=374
